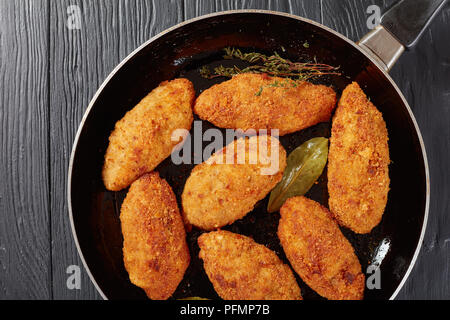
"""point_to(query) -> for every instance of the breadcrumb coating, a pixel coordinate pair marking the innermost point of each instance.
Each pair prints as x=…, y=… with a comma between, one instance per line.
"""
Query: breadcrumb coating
x=358, y=160
x=155, y=251
x=318, y=251
x=253, y=101
x=241, y=269
x=141, y=140
x=217, y=194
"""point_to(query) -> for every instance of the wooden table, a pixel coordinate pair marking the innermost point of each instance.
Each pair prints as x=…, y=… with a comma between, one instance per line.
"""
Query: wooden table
x=49, y=73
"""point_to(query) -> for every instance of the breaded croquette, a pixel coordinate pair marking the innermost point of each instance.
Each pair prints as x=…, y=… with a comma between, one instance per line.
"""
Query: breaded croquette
x=241, y=269
x=141, y=140
x=358, y=160
x=218, y=192
x=318, y=251
x=155, y=251
x=258, y=101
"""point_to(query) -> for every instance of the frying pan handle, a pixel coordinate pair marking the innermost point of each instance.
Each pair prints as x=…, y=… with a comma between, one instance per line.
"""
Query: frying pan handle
x=400, y=29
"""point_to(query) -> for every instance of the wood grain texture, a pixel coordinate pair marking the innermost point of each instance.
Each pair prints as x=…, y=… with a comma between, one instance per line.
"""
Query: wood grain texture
x=49, y=73
x=350, y=17
x=81, y=60
x=25, y=261
x=308, y=9
x=422, y=75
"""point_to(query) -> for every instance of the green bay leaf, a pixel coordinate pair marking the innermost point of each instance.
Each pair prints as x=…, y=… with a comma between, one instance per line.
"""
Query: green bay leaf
x=304, y=166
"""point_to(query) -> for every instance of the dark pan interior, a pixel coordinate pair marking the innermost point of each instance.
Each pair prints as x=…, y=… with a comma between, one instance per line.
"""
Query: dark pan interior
x=180, y=53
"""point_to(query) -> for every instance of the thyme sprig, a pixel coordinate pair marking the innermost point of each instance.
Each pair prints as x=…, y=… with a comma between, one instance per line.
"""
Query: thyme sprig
x=286, y=83
x=273, y=65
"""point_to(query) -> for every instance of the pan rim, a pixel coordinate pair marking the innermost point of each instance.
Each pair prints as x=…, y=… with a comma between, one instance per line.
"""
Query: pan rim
x=255, y=11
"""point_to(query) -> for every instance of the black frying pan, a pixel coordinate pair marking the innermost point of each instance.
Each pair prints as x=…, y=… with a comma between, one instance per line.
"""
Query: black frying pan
x=179, y=52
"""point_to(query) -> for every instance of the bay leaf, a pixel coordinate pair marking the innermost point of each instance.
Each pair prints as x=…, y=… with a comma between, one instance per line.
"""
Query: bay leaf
x=304, y=166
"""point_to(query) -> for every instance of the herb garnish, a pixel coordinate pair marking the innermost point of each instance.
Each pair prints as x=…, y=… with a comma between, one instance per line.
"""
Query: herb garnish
x=273, y=65
x=286, y=83
x=304, y=166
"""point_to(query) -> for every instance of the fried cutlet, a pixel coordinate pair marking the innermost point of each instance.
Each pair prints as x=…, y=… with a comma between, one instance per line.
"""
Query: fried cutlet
x=155, y=252
x=218, y=193
x=358, y=160
x=141, y=140
x=318, y=251
x=259, y=101
x=241, y=269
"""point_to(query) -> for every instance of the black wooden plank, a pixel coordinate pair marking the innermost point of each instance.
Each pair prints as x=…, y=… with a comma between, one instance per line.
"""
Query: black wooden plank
x=350, y=17
x=423, y=76
x=308, y=9
x=81, y=60
x=25, y=260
